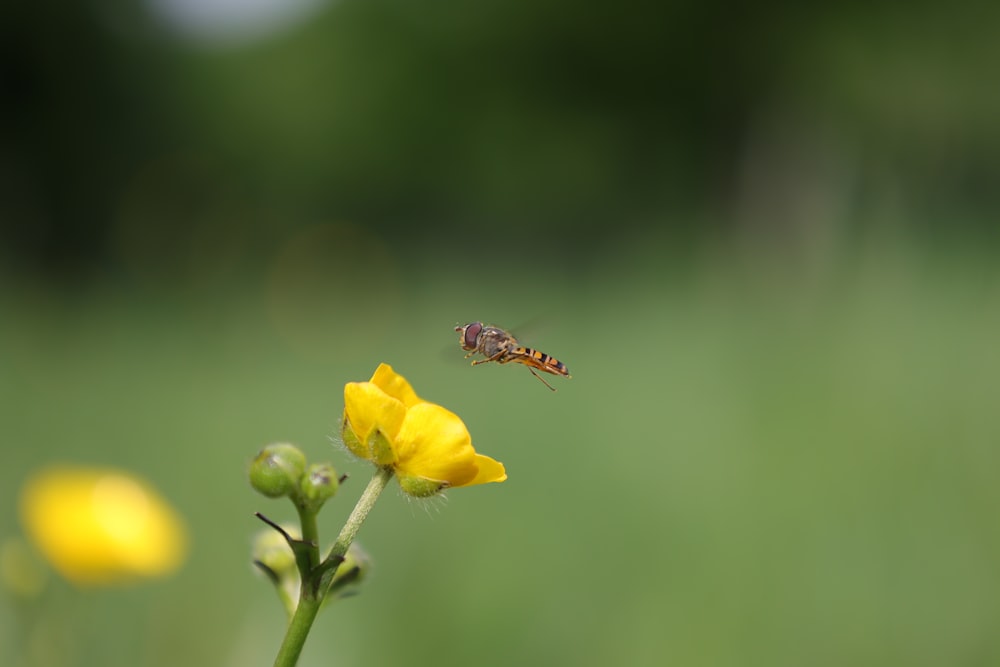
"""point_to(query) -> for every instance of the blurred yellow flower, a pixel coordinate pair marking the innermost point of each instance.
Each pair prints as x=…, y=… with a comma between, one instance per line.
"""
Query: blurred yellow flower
x=98, y=526
x=428, y=447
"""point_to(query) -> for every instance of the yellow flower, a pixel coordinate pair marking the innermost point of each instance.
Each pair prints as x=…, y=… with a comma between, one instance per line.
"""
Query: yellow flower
x=428, y=447
x=98, y=526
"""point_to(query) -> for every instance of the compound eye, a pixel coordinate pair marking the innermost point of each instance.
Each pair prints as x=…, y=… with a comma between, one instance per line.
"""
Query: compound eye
x=471, y=334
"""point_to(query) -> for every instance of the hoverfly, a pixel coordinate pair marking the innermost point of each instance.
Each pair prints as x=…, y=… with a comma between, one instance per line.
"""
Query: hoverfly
x=500, y=346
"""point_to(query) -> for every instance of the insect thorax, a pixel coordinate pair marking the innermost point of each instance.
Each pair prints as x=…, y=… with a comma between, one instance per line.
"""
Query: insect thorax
x=493, y=341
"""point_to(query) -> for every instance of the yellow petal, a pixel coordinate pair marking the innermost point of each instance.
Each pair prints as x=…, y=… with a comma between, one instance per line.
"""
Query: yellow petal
x=395, y=385
x=434, y=444
x=368, y=408
x=428, y=446
x=489, y=471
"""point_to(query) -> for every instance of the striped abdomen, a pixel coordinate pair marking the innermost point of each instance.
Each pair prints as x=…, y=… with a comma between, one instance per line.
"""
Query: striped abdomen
x=539, y=360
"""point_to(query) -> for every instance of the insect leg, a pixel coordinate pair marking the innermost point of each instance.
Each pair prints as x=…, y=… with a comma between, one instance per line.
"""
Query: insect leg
x=495, y=357
x=541, y=378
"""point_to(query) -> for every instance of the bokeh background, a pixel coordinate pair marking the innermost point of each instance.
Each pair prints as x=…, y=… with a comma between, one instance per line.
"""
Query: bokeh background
x=764, y=239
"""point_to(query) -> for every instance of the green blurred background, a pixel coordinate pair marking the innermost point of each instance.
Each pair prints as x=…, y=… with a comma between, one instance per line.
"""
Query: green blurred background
x=763, y=238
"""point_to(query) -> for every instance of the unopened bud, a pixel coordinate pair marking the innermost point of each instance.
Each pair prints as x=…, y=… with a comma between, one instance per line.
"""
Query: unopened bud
x=319, y=484
x=277, y=470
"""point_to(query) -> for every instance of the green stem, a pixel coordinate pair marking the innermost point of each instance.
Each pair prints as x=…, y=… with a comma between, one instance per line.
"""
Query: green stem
x=314, y=586
x=353, y=524
x=310, y=533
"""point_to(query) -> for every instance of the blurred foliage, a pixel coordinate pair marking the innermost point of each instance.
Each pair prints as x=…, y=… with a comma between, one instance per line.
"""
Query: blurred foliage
x=478, y=124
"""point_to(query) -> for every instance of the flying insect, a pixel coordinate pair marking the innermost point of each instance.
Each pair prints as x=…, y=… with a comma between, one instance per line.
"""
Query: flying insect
x=499, y=345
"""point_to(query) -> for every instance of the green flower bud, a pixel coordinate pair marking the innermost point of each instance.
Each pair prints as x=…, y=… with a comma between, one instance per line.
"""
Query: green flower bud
x=319, y=484
x=271, y=550
x=352, y=571
x=277, y=470
x=274, y=557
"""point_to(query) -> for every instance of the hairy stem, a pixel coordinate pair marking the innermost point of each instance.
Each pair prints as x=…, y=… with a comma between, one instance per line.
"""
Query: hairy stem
x=316, y=583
